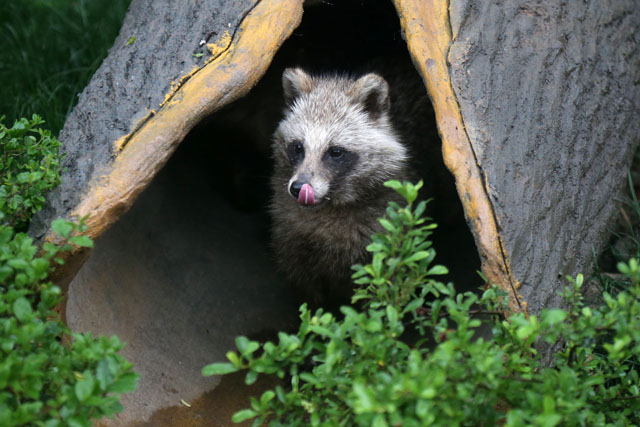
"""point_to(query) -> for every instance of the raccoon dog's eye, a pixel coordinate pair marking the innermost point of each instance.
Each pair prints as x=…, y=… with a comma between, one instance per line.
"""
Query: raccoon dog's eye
x=295, y=151
x=336, y=152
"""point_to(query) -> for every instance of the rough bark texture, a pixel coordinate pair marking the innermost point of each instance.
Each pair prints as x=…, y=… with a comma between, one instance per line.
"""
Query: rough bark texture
x=549, y=92
x=133, y=80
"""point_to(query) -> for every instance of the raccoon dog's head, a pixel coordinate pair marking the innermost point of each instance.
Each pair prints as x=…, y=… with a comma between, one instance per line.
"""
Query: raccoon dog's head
x=335, y=144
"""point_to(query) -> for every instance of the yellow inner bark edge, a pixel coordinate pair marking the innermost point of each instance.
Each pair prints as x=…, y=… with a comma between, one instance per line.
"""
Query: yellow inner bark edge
x=428, y=34
x=221, y=81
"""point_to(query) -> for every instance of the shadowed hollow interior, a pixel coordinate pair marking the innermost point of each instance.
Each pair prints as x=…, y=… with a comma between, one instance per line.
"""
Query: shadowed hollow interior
x=189, y=267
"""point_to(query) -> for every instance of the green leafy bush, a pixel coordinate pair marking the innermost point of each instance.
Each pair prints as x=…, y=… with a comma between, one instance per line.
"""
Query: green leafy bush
x=414, y=354
x=49, y=377
x=29, y=168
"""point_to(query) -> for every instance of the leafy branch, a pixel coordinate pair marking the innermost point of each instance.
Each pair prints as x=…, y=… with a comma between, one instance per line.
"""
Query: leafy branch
x=413, y=351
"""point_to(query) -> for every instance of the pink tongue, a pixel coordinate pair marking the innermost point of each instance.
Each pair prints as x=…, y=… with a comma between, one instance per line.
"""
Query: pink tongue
x=306, y=195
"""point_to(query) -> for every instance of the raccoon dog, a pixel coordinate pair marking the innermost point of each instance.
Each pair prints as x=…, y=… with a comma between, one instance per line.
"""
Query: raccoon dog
x=333, y=150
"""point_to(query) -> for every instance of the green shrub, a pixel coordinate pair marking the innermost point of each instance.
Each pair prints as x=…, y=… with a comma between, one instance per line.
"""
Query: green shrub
x=48, y=376
x=411, y=356
x=29, y=168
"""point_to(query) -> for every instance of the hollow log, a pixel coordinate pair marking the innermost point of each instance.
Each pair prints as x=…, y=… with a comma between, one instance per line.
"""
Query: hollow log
x=536, y=105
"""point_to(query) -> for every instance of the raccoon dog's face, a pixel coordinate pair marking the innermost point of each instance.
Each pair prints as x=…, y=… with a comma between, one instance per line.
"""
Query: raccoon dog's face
x=335, y=144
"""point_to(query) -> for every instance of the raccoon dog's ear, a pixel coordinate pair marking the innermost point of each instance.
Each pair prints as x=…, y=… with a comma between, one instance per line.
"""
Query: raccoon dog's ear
x=372, y=91
x=295, y=82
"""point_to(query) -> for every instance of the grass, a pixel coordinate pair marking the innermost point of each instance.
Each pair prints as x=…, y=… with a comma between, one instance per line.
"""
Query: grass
x=50, y=50
x=625, y=239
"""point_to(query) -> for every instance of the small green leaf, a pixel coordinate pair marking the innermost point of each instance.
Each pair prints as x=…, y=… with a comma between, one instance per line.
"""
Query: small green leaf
x=18, y=263
x=579, y=280
x=417, y=256
x=413, y=305
x=22, y=309
x=393, y=184
x=266, y=397
x=218, y=369
x=412, y=193
x=364, y=401
x=103, y=374
x=84, y=387
x=438, y=270
x=126, y=383
x=387, y=225
x=233, y=357
x=62, y=227
x=243, y=415
x=392, y=314
x=82, y=241
x=246, y=346
x=376, y=264
x=553, y=316
x=375, y=247
x=241, y=343
x=420, y=208
x=251, y=377
x=5, y=234
x=308, y=377
x=23, y=177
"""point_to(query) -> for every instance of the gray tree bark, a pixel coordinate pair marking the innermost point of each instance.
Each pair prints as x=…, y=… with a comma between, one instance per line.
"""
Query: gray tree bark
x=550, y=94
x=159, y=42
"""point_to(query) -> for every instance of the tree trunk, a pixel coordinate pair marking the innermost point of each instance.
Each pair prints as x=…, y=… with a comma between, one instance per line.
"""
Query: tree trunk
x=549, y=93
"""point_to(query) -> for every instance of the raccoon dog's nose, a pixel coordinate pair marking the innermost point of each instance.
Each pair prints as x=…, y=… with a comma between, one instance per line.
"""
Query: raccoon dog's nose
x=295, y=188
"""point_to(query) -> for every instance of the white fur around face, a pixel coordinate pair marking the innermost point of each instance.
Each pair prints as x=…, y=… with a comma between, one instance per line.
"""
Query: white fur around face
x=329, y=112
